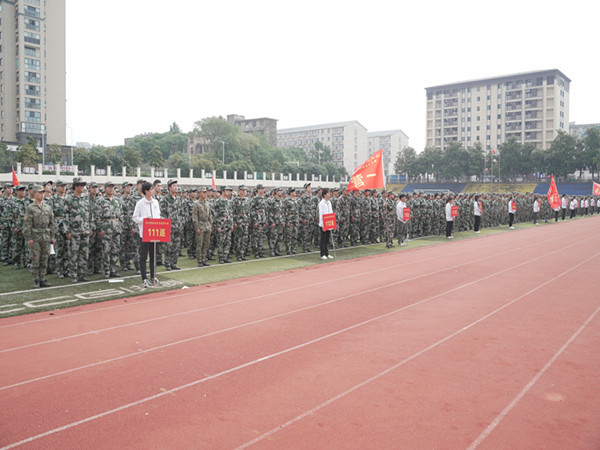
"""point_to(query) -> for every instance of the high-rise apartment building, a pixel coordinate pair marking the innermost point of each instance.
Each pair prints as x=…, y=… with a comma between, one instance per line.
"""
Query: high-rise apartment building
x=347, y=141
x=32, y=71
x=529, y=106
x=391, y=142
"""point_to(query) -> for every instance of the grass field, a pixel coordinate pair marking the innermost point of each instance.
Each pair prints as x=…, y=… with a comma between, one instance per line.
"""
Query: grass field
x=18, y=297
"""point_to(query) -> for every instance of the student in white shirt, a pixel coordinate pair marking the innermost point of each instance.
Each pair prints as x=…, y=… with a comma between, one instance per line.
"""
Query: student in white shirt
x=146, y=207
x=511, y=213
x=536, y=210
x=564, y=204
x=573, y=208
x=449, y=218
x=477, y=210
x=402, y=225
x=325, y=208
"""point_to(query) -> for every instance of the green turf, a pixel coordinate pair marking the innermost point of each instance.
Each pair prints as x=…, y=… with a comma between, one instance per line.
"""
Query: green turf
x=17, y=295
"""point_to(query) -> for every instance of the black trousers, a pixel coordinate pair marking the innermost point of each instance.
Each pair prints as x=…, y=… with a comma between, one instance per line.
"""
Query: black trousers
x=324, y=242
x=564, y=213
x=556, y=215
x=477, y=223
x=145, y=248
x=449, y=224
x=511, y=219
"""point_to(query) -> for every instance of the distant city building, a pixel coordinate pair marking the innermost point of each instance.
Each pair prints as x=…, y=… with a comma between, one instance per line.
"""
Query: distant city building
x=198, y=145
x=392, y=142
x=529, y=106
x=263, y=125
x=347, y=141
x=579, y=130
x=33, y=71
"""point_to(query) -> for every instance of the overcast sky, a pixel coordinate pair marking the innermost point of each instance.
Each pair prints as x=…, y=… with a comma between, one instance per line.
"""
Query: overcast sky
x=136, y=66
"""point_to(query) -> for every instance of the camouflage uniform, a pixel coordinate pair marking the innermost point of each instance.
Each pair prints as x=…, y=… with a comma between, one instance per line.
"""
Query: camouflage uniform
x=355, y=218
x=78, y=223
x=224, y=225
x=241, y=217
x=343, y=219
x=20, y=251
x=202, y=217
x=128, y=227
x=6, y=226
x=274, y=223
x=61, y=243
x=291, y=219
x=258, y=216
x=108, y=221
x=171, y=208
x=305, y=211
x=38, y=228
x=95, y=241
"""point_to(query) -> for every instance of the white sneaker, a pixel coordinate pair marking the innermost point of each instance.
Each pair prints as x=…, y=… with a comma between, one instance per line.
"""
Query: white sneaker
x=323, y=257
x=478, y=232
x=512, y=228
x=330, y=257
x=145, y=284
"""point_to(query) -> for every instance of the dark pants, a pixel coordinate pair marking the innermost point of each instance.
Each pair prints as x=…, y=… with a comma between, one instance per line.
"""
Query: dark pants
x=535, y=217
x=511, y=219
x=325, y=236
x=145, y=248
x=477, y=223
x=556, y=215
x=449, y=224
x=573, y=213
x=564, y=213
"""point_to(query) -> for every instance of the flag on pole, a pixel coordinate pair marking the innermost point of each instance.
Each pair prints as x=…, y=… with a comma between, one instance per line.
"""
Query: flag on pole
x=596, y=189
x=553, y=196
x=368, y=175
x=494, y=152
x=15, y=179
x=213, y=182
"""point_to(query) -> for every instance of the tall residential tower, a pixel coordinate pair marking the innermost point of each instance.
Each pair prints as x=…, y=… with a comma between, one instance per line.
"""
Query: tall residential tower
x=530, y=106
x=32, y=71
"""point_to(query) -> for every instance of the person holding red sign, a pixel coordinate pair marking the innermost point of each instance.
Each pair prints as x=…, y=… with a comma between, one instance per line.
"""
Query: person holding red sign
x=147, y=207
x=449, y=217
x=403, y=214
x=325, y=208
x=512, y=209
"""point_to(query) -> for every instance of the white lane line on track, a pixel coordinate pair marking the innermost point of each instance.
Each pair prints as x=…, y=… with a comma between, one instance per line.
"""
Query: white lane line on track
x=485, y=433
x=305, y=344
x=415, y=355
x=327, y=281
x=136, y=303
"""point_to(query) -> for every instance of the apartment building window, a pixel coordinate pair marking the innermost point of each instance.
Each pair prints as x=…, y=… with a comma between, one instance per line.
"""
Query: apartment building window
x=478, y=108
x=33, y=116
x=499, y=116
x=499, y=127
x=32, y=24
x=477, y=127
x=32, y=90
x=550, y=80
x=478, y=118
x=478, y=98
x=33, y=103
x=32, y=38
x=31, y=11
x=32, y=51
x=33, y=2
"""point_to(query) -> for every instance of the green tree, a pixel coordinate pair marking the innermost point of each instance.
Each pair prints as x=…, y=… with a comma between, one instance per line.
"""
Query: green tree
x=174, y=128
x=4, y=157
x=455, y=162
x=81, y=158
x=155, y=157
x=561, y=157
x=54, y=154
x=406, y=161
x=475, y=160
x=132, y=157
x=591, y=144
x=430, y=161
x=27, y=155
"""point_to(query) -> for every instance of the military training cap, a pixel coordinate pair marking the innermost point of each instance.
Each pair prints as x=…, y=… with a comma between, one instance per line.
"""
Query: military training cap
x=202, y=189
x=21, y=187
x=93, y=184
x=306, y=185
x=242, y=188
x=170, y=182
x=48, y=182
x=140, y=181
x=109, y=183
x=37, y=188
x=292, y=189
x=60, y=183
x=259, y=186
x=30, y=186
x=78, y=181
x=7, y=185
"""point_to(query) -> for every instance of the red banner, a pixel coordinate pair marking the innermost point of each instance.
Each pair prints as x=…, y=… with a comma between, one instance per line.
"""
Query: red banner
x=514, y=206
x=596, y=189
x=454, y=211
x=405, y=214
x=15, y=180
x=329, y=222
x=369, y=175
x=553, y=196
x=157, y=230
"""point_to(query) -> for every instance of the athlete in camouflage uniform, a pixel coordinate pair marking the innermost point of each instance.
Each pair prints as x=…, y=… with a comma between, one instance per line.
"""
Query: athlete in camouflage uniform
x=274, y=222
x=61, y=243
x=171, y=208
x=6, y=225
x=128, y=229
x=78, y=229
x=291, y=219
x=108, y=227
x=38, y=230
x=258, y=216
x=241, y=217
x=224, y=224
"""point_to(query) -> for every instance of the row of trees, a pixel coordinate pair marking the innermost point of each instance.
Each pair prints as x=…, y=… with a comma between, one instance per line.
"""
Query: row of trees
x=512, y=160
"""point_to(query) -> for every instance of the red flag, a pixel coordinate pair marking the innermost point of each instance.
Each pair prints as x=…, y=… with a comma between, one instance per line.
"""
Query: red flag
x=329, y=222
x=369, y=175
x=553, y=196
x=596, y=188
x=15, y=179
x=494, y=151
x=213, y=182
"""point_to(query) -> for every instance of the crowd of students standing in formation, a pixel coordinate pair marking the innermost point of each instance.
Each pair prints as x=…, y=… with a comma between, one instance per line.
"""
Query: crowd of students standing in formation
x=95, y=229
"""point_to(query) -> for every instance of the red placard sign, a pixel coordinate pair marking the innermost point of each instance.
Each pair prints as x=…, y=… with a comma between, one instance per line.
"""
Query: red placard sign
x=405, y=213
x=329, y=222
x=514, y=206
x=157, y=230
x=454, y=211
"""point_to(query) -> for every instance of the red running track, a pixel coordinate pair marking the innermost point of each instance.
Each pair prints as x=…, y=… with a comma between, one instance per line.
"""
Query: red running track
x=489, y=343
